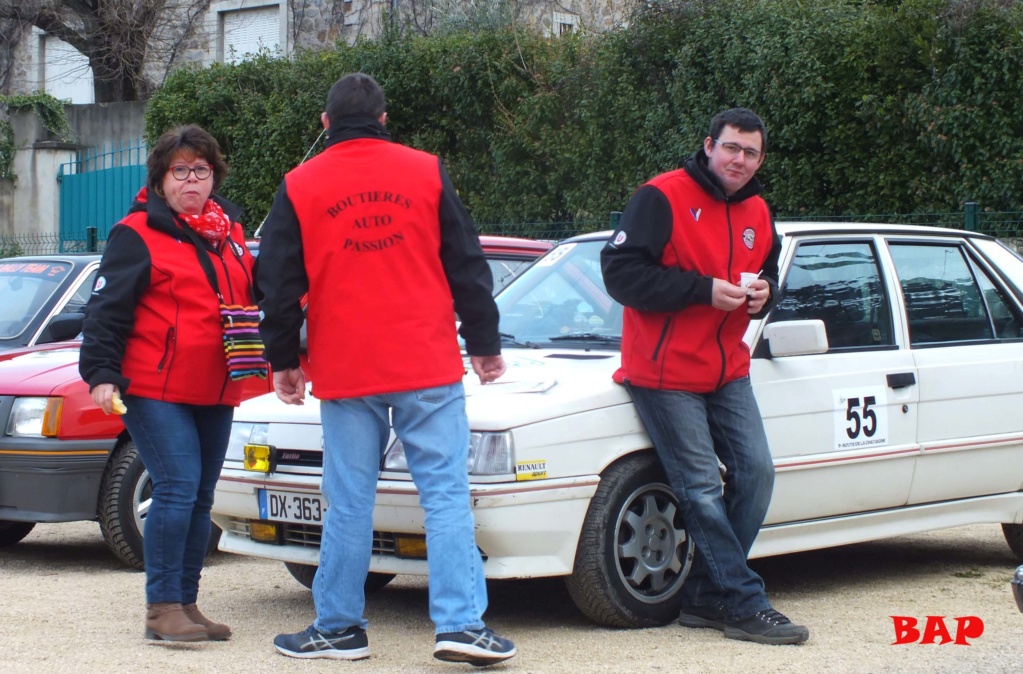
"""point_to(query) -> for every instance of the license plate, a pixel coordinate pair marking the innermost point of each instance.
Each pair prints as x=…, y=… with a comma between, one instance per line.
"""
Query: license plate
x=290, y=506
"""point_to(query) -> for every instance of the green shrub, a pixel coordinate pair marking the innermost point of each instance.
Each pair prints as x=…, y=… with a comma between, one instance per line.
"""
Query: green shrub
x=871, y=107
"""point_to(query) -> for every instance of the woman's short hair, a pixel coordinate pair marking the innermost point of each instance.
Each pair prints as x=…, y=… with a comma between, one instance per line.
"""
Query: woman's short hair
x=188, y=139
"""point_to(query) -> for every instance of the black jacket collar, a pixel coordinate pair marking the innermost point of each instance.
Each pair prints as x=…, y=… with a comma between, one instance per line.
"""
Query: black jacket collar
x=349, y=128
x=697, y=167
x=162, y=218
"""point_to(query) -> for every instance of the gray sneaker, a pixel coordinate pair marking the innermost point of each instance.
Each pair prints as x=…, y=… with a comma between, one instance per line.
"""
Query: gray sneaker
x=767, y=627
x=477, y=647
x=351, y=644
x=702, y=616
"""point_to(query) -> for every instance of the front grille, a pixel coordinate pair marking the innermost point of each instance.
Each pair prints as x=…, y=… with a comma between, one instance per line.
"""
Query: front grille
x=309, y=458
x=238, y=526
x=309, y=535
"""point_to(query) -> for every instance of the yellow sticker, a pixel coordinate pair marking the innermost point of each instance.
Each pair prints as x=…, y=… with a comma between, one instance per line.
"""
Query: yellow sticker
x=531, y=470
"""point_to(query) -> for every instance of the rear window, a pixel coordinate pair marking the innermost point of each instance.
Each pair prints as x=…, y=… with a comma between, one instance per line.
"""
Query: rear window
x=25, y=288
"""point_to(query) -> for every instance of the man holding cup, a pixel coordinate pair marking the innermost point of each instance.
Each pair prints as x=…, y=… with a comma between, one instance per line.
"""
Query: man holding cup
x=694, y=259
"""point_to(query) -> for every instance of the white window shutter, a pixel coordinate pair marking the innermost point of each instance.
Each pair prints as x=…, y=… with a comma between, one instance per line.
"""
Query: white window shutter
x=247, y=31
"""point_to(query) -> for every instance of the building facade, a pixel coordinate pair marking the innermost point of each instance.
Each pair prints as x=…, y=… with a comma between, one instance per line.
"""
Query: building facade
x=208, y=31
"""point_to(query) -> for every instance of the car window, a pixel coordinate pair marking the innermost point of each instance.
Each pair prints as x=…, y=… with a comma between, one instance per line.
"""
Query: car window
x=505, y=269
x=76, y=303
x=25, y=287
x=948, y=297
x=561, y=295
x=1005, y=258
x=840, y=284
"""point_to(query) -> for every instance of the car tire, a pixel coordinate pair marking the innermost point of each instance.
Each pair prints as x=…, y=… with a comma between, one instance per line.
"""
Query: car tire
x=124, y=496
x=12, y=532
x=305, y=573
x=618, y=580
x=1014, y=537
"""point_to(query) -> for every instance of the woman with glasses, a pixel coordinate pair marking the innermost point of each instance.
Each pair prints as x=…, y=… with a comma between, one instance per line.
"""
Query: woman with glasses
x=154, y=351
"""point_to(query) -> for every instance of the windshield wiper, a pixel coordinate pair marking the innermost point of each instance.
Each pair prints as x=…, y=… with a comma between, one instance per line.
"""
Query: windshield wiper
x=511, y=338
x=587, y=337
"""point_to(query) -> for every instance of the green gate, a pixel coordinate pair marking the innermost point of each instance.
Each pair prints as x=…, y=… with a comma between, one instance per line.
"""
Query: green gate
x=96, y=190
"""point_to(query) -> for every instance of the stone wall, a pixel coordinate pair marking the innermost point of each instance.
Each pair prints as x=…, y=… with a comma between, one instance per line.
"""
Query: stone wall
x=33, y=207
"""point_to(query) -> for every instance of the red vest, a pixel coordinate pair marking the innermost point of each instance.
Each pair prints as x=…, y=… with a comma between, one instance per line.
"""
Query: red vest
x=699, y=348
x=381, y=317
x=176, y=351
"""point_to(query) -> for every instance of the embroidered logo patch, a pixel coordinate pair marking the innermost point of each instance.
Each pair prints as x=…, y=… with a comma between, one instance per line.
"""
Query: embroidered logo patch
x=695, y=212
x=748, y=237
x=101, y=283
x=236, y=247
x=619, y=238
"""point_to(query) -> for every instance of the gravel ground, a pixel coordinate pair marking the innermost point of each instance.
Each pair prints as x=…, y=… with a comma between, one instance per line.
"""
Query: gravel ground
x=68, y=606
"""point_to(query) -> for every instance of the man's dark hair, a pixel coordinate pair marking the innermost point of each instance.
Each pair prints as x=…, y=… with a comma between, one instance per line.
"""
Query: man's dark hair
x=742, y=119
x=189, y=139
x=355, y=95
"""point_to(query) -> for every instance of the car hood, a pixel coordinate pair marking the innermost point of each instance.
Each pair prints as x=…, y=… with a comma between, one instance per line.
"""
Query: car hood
x=39, y=370
x=540, y=384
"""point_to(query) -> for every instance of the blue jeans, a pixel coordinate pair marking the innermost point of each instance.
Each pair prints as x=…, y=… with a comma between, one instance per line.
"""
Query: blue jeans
x=435, y=432
x=691, y=432
x=183, y=448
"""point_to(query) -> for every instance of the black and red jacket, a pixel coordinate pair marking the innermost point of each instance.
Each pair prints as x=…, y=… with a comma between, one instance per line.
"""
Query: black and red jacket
x=376, y=234
x=678, y=233
x=152, y=325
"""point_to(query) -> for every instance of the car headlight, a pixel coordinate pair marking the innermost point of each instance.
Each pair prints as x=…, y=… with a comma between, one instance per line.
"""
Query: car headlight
x=489, y=454
x=35, y=417
x=245, y=433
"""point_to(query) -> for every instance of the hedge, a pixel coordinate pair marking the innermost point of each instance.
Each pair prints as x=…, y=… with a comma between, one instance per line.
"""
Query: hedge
x=871, y=107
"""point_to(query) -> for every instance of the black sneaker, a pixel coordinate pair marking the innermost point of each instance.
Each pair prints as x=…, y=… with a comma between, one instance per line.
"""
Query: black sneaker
x=477, y=647
x=767, y=627
x=351, y=644
x=702, y=616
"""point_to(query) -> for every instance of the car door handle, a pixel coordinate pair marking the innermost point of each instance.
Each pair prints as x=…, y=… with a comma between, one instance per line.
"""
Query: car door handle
x=901, y=379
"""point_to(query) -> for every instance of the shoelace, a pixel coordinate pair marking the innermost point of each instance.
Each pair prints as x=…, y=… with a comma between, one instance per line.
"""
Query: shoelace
x=773, y=617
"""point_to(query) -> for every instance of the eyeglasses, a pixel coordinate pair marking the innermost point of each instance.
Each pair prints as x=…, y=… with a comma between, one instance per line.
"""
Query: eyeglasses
x=733, y=150
x=202, y=172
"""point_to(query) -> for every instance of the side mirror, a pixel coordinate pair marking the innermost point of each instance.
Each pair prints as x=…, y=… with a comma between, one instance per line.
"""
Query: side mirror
x=797, y=338
x=62, y=327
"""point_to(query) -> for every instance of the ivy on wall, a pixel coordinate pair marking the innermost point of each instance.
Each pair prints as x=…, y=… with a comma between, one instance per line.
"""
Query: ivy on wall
x=871, y=107
x=50, y=112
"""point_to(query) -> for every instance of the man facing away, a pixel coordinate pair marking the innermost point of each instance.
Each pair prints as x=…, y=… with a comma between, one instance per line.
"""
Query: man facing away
x=376, y=234
x=676, y=263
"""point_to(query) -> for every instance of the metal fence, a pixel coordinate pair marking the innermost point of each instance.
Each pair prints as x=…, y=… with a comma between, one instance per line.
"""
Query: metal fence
x=98, y=187
x=1003, y=224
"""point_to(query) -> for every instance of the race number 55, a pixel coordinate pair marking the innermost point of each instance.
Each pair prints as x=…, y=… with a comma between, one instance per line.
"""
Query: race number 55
x=864, y=419
x=861, y=417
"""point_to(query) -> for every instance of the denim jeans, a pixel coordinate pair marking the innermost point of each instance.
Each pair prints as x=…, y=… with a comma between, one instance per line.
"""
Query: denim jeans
x=432, y=425
x=691, y=432
x=183, y=448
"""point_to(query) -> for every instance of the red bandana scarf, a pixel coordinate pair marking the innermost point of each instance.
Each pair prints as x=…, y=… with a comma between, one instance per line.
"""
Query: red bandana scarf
x=211, y=224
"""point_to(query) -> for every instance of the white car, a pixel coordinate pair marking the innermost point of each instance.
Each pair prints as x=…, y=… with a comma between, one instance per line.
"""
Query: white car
x=890, y=378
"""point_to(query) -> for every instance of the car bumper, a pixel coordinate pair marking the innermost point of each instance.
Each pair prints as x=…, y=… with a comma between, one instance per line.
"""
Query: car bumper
x=45, y=480
x=523, y=529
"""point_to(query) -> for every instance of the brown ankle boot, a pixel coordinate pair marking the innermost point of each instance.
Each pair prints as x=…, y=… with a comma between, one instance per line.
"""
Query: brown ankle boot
x=217, y=631
x=168, y=622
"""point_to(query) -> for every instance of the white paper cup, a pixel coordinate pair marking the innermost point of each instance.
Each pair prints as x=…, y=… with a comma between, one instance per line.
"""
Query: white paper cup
x=747, y=277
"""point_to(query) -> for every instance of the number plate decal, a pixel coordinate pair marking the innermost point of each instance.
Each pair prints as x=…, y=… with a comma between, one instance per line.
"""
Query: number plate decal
x=290, y=506
x=861, y=418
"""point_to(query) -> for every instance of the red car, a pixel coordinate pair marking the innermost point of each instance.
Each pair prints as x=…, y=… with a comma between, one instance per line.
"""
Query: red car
x=63, y=460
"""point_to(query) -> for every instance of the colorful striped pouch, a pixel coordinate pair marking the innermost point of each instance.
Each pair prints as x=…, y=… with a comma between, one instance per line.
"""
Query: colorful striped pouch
x=242, y=343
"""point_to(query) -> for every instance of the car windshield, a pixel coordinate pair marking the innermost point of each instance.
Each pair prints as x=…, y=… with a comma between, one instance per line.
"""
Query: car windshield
x=561, y=301
x=504, y=270
x=25, y=287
